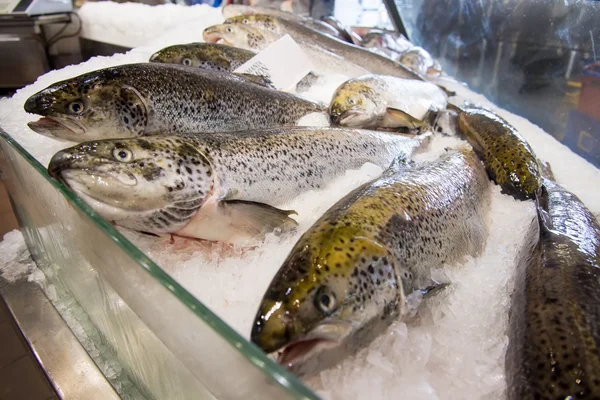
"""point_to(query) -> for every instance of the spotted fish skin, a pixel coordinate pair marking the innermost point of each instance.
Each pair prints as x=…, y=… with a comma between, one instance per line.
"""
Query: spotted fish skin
x=213, y=56
x=194, y=186
x=359, y=56
x=370, y=251
x=145, y=99
x=554, y=348
x=508, y=158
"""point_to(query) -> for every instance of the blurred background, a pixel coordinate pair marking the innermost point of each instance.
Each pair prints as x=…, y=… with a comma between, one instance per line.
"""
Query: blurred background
x=536, y=58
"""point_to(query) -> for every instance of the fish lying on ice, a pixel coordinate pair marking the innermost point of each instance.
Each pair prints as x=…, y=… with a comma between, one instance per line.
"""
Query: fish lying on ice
x=145, y=99
x=218, y=57
x=251, y=38
x=420, y=61
x=554, y=331
x=353, y=272
x=378, y=101
x=211, y=56
x=508, y=158
x=343, y=31
x=391, y=43
x=234, y=10
x=223, y=187
x=370, y=61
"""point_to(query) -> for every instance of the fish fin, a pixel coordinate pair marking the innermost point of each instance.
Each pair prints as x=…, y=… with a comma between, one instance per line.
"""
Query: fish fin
x=449, y=93
x=398, y=118
x=256, y=79
x=257, y=219
x=454, y=107
x=132, y=101
x=434, y=288
x=546, y=169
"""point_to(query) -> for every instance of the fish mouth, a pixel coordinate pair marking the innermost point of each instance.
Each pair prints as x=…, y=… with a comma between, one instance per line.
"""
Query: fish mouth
x=349, y=119
x=300, y=350
x=214, y=37
x=57, y=128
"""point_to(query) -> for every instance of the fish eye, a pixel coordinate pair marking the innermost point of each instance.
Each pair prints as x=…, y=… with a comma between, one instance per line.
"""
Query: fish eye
x=245, y=21
x=186, y=61
x=351, y=101
x=229, y=29
x=325, y=300
x=122, y=154
x=76, y=107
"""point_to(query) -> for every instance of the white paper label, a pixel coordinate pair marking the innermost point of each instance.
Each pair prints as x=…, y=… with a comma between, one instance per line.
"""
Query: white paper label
x=283, y=62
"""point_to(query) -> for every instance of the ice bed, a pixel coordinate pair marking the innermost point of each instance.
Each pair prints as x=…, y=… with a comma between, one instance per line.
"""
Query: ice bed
x=172, y=320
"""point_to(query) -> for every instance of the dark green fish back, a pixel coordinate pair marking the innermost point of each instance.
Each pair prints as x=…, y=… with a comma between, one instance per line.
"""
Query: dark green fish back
x=554, y=350
x=508, y=158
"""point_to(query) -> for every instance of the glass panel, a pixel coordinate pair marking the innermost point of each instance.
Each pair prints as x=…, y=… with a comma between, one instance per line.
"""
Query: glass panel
x=169, y=344
x=538, y=59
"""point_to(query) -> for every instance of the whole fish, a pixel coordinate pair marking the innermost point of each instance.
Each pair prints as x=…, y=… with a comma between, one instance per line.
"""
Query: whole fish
x=554, y=331
x=211, y=56
x=372, y=62
x=508, y=158
x=252, y=38
x=145, y=99
x=355, y=270
x=344, y=32
x=234, y=10
x=420, y=61
x=378, y=101
x=220, y=186
x=390, y=42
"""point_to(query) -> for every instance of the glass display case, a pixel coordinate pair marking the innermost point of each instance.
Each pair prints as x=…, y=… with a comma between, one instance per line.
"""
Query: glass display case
x=536, y=59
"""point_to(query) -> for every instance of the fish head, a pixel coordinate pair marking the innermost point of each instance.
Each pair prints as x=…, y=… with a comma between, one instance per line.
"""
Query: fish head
x=199, y=55
x=258, y=21
x=355, y=104
x=416, y=59
x=333, y=294
x=89, y=107
x=120, y=178
x=242, y=36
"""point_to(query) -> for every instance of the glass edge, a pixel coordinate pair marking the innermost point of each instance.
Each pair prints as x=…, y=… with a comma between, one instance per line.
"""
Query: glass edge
x=248, y=349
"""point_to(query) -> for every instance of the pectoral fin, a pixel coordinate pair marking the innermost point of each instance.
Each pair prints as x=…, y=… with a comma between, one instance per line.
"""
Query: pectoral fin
x=238, y=222
x=256, y=79
x=395, y=118
x=258, y=219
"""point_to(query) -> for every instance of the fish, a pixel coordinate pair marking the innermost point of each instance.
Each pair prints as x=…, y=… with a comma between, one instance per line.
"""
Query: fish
x=231, y=11
x=251, y=38
x=508, y=158
x=374, y=63
x=419, y=60
x=344, y=33
x=145, y=99
x=379, y=101
x=211, y=56
x=392, y=43
x=226, y=187
x=234, y=10
x=370, y=256
x=554, y=325
x=244, y=37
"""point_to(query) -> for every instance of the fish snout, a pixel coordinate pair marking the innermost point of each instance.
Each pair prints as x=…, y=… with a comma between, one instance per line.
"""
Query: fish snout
x=336, y=112
x=212, y=34
x=59, y=162
x=40, y=103
x=156, y=57
x=273, y=327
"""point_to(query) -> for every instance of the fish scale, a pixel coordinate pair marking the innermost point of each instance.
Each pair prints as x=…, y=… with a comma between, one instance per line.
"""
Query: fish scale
x=220, y=186
x=371, y=251
x=144, y=99
x=554, y=332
